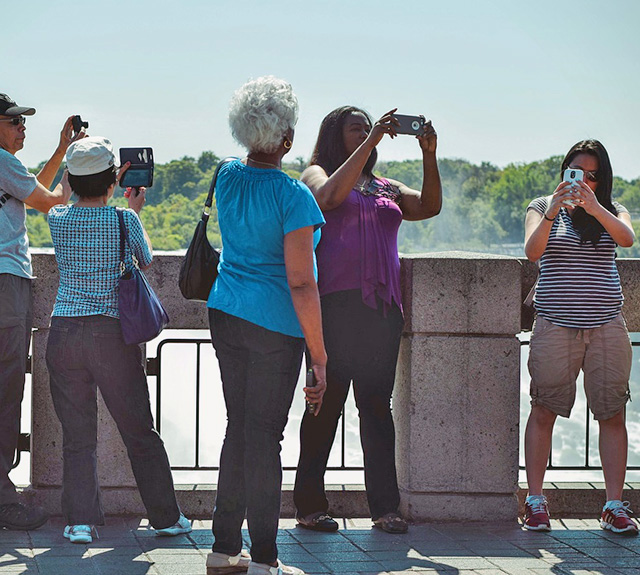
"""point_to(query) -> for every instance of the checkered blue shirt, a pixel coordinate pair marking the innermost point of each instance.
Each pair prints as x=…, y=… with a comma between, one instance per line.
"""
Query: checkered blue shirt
x=86, y=242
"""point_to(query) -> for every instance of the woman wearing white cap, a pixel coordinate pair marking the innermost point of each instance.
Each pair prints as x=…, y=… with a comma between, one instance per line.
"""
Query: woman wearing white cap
x=86, y=350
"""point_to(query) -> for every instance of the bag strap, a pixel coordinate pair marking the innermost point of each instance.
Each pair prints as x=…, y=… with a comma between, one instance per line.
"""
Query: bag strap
x=122, y=233
x=528, y=301
x=212, y=187
x=124, y=237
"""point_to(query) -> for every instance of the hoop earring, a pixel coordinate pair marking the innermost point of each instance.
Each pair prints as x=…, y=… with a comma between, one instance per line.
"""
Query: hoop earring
x=287, y=144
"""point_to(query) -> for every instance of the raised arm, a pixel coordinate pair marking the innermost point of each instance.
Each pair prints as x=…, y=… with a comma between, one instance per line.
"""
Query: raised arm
x=43, y=199
x=298, y=259
x=424, y=204
x=619, y=227
x=136, y=201
x=48, y=172
x=331, y=191
x=537, y=226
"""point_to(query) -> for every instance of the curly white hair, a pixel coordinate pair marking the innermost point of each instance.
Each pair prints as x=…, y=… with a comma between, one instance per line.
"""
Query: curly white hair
x=261, y=112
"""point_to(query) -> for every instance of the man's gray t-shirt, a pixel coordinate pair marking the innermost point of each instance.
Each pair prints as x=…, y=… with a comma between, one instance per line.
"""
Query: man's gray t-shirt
x=16, y=185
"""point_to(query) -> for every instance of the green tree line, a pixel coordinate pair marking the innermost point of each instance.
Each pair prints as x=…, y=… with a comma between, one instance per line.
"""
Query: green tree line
x=483, y=206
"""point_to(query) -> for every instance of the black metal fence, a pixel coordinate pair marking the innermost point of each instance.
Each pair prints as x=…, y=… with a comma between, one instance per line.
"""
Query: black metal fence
x=154, y=367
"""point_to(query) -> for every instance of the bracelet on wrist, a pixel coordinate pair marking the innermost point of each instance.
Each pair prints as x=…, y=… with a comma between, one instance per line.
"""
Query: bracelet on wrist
x=548, y=218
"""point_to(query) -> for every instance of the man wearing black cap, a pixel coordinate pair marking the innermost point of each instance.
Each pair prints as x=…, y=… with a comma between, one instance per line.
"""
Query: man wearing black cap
x=18, y=189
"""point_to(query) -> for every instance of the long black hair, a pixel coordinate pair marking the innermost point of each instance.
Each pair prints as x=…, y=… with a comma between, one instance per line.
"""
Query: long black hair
x=330, y=152
x=587, y=226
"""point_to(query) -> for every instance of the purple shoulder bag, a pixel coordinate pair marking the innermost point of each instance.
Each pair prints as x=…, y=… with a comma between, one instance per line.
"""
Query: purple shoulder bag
x=142, y=316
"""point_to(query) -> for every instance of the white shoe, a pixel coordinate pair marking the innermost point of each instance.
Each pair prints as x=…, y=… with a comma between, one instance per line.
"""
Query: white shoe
x=182, y=526
x=79, y=533
x=220, y=563
x=281, y=569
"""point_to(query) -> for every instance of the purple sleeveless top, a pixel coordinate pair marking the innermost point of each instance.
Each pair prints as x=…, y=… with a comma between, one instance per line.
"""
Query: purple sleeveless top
x=359, y=246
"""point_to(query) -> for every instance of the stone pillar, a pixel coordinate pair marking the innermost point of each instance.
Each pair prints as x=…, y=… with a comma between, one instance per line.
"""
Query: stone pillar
x=457, y=394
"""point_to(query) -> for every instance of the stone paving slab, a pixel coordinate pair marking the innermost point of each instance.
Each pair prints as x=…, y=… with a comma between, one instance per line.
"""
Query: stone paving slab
x=129, y=547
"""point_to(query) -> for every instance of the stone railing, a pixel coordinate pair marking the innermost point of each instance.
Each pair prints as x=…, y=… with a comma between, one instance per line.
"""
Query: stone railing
x=456, y=402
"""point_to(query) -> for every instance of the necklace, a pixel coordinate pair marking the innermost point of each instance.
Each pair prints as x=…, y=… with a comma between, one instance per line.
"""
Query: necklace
x=364, y=186
x=263, y=163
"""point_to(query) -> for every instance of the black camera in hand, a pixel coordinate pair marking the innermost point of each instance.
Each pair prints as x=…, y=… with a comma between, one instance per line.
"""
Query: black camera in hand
x=78, y=124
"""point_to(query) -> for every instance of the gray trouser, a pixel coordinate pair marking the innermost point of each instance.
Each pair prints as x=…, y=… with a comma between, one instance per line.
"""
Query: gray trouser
x=16, y=309
x=83, y=354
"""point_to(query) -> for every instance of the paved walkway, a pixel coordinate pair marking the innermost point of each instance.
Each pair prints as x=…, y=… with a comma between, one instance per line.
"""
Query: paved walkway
x=129, y=547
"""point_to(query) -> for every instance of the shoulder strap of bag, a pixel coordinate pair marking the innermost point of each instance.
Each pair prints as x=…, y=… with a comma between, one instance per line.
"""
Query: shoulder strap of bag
x=123, y=234
x=124, y=237
x=207, y=205
x=528, y=301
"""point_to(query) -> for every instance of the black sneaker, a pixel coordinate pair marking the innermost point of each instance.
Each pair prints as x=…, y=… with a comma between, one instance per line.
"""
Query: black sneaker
x=319, y=521
x=19, y=517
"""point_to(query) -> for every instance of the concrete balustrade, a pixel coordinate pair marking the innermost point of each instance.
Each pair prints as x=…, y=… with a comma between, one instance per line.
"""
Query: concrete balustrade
x=456, y=403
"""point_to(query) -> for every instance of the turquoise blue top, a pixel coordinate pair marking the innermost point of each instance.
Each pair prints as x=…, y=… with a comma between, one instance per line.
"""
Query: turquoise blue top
x=256, y=209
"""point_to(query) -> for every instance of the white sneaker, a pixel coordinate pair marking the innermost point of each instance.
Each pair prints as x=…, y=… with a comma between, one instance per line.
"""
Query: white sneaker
x=79, y=533
x=220, y=563
x=281, y=569
x=181, y=527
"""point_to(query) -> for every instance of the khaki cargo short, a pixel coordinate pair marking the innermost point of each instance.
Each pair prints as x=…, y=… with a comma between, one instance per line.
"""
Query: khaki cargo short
x=556, y=355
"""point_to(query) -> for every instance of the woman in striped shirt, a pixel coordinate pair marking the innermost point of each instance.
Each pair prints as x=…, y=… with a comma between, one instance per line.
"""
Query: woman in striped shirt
x=578, y=300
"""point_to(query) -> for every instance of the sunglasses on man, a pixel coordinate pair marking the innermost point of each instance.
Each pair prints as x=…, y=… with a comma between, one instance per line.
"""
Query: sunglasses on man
x=17, y=121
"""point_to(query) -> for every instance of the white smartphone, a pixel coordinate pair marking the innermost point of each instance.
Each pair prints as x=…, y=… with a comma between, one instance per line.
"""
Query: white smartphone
x=572, y=175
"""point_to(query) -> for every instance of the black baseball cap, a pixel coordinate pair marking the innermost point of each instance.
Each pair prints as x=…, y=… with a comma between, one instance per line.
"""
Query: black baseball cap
x=9, y=108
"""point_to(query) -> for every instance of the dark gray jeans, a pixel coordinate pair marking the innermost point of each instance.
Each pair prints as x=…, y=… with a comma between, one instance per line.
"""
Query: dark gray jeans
x=82, y=353
x=15, y=333
x=259, y=370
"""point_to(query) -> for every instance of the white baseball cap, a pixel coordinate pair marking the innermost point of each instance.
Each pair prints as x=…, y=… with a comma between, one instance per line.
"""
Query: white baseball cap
x=90, y=155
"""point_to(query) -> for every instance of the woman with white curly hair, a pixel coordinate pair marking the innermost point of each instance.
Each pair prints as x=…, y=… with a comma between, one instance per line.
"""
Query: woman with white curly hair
x=263, y=306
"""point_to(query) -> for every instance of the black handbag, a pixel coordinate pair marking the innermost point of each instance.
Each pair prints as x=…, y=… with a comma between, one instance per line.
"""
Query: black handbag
x=199, y=268
x=142, y=316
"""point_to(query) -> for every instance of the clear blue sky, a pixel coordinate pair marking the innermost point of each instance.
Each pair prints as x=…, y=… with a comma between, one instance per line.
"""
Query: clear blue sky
x=503, y=81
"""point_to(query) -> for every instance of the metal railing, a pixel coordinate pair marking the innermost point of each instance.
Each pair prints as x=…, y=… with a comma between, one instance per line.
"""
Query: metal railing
x=154, y=368
x=587, y=465
x=24, y=439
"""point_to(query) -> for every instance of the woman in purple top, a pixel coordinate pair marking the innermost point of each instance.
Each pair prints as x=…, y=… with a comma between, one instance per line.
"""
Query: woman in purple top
x=359, y=284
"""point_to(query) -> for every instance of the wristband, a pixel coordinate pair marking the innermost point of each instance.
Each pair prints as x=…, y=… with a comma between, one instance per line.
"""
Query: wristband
x=548, y=219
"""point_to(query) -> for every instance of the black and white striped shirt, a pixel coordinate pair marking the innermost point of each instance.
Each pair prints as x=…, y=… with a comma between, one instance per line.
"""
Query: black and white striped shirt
x=579, y=286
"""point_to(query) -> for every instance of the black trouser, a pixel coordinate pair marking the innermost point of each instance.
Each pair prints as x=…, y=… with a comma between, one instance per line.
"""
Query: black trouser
x=15, y=334
x=259, y=370
x=362, y=346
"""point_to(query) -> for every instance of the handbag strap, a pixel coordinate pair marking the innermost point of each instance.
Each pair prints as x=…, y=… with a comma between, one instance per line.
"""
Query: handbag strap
x=528, y=301
x=122, y=233
x=212, y=187
x=124, y=237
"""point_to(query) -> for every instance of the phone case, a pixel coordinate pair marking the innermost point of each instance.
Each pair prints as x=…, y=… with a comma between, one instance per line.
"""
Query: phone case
x=310, y=382
x=573, y=175
x=412, y=125
x=137, y=156
x=140, y=173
